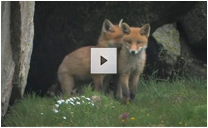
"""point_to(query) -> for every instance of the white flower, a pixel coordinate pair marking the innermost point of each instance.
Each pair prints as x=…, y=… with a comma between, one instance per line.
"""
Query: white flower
x=64, y=118
x=71, y=103
x=41, y=113
x=71, y=99
x=56, y=111
x=78, y=103
x=83, y=96
x=78, y=98
x=87, y=99
x=74, y=98
x=92, y=104
x=83, y=102
x=57, y=105
x=60, y=101
x=68, y=100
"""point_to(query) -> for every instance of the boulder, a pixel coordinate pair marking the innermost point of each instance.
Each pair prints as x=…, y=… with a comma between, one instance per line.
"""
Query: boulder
x=194, y=25
x=170, y=54
x=17, y=44
x=7, y=62
x=167, y=38
x=189, y=64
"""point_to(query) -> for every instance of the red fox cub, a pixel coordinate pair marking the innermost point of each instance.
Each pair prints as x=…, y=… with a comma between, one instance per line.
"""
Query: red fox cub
x=131, y=61
x=76, y=65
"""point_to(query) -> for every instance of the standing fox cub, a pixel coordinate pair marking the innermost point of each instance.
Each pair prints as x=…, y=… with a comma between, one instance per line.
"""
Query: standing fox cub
x=131, y=61
x=76, y=65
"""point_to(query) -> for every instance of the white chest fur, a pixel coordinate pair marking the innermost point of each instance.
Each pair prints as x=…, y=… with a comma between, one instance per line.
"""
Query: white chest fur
x=128, y=62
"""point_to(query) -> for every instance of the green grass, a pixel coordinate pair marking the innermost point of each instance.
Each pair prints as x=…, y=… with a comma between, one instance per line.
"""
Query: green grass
x=178, y=103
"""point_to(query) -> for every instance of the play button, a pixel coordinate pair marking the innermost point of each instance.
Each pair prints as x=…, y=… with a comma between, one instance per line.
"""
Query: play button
x=103, y=60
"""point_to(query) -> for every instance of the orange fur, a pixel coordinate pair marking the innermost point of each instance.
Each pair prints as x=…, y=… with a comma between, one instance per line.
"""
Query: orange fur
x=131, y=61
x=76, y=65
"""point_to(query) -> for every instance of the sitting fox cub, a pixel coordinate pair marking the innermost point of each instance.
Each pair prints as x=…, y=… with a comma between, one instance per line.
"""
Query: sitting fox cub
x=131, y=61
x=76, y=65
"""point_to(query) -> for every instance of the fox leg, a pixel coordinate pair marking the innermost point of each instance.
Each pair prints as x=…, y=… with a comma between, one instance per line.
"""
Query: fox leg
x=106, y=83
x=119, y=94
x=134, y=84
x=67, y=83
x=53, y=90
x=122, y=87
x=98, y=81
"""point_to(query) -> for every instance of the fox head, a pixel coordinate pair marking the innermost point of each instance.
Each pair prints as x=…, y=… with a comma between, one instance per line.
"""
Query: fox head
x=136, y=39
x=111, y=35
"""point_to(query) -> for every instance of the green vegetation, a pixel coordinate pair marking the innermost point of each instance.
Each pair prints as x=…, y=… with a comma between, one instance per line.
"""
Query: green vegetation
x=182, y=102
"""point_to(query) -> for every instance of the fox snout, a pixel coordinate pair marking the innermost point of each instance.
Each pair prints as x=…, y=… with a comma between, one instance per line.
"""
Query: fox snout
x=133, y=51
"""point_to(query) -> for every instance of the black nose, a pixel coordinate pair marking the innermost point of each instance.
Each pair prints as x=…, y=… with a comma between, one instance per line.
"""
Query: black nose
x=133, y=52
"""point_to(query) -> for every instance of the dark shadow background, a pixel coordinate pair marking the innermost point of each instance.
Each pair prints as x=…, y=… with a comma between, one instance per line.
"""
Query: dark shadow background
x=62, y=27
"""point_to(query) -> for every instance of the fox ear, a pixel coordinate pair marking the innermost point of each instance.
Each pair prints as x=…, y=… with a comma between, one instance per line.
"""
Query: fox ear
x=120, y=23
x=145, y=30
x=125, y=28
x=108, y=26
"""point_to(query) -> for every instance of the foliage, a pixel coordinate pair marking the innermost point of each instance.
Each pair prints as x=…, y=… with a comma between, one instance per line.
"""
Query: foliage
x=182, y=102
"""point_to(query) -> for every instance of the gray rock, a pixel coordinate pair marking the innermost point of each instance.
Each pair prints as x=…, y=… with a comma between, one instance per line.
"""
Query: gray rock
x=7, y=62
x=171, y=54
x=22, y=31
x=194, y=25
x=17, y=43
x=167, y=37
x=189, y=63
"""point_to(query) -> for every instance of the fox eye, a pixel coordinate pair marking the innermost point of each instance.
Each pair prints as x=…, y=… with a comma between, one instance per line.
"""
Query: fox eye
x=119, y=37
x=128, y=41
x=139, y=42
